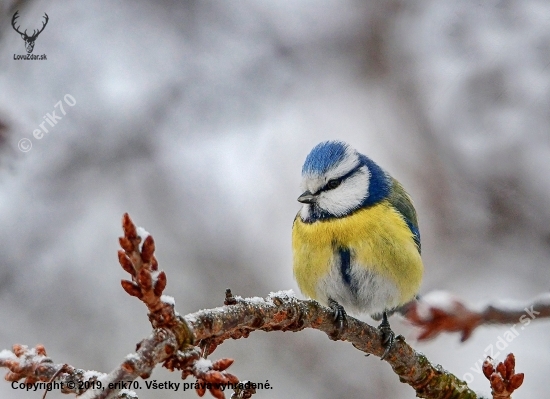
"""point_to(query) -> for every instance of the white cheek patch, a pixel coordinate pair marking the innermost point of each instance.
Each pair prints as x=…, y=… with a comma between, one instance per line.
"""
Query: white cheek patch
x=348, y=195
x=305, y=211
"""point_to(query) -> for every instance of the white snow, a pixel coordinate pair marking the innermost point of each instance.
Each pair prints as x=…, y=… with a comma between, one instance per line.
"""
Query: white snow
x=143, y=234
x=436, y=299
x=256, y=300
x=7, y=355
x=285, y=294
x=203, y=365
x=128, y=393
x=168, y=299
x=89, y=374
x=132, y=356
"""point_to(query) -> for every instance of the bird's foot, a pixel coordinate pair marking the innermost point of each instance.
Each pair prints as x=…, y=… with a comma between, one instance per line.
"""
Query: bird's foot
x=339, y=315
x=388, y=336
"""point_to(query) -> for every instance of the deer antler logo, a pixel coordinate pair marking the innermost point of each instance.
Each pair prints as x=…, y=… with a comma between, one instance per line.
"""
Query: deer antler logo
x=29, y=40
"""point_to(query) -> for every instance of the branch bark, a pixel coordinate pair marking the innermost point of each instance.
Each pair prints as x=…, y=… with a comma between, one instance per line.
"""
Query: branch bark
x=283, y=312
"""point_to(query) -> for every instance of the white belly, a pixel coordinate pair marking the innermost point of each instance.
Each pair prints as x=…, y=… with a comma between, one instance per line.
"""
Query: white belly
x=368, y=292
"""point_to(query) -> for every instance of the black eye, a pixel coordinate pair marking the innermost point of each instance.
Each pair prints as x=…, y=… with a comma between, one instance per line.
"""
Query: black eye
x=332, y=184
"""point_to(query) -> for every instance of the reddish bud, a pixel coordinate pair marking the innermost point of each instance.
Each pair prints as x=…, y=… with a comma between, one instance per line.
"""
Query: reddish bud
x=128, y=227
x=215, y=377
x=233, y=379
x=154, y=263
x=11, y=364
x=186, y=373
x=12, y=376
x=18, y=350
x=144, y=279
x=160, y=284
x=126, y=263
x=131, y=288
x=128, y=366
x=501, y=369
x=510, y=364
x=40, y=350
x=222, y=364
x=126, y=244
x=145, y=375
x=201, y=390
x=148, y=249
x=497, y=383
x=488, y=368
x=515, y=382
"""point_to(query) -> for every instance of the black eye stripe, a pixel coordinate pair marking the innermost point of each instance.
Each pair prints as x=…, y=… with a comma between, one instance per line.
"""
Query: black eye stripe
x=340, y=179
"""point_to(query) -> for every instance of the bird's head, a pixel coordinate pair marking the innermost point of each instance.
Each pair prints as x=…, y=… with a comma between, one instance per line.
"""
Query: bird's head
x=338, y=180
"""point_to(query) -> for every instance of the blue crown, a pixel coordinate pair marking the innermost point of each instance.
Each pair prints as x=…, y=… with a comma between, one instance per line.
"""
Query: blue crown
x=324, y=156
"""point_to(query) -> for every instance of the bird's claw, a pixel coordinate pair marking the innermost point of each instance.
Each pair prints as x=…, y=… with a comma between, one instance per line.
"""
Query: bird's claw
x=388, y=336
x=339, y=314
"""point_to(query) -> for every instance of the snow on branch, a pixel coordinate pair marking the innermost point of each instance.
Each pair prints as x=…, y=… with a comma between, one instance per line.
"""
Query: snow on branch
x=183, y=343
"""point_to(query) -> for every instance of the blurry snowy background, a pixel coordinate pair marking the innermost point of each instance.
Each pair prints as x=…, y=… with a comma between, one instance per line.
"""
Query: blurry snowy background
x=195, y=117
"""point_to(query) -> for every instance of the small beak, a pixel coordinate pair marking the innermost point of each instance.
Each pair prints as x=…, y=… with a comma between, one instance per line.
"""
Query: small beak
x=307, y=198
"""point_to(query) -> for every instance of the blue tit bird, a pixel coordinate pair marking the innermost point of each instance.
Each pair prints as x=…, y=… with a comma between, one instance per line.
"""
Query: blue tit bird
x=355, y=241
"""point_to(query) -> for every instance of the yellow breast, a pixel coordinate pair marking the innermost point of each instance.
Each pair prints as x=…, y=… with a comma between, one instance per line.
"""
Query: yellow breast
x=378, y=238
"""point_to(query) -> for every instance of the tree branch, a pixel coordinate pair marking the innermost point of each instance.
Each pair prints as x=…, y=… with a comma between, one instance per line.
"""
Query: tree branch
x=439, y=312
x=183, y=343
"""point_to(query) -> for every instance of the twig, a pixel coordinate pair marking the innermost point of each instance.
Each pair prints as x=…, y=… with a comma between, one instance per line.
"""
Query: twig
x=63, y=368
x=439, y=312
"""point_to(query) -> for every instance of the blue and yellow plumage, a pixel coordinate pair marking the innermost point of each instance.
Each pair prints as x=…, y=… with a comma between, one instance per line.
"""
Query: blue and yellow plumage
x=356, y=242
